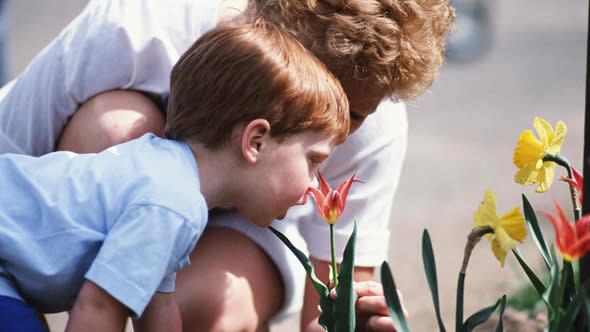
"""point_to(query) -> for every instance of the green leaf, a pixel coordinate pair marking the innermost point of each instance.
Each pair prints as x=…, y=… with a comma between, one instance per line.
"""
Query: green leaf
x=326, y=319
x=344, y=306
x=551, y=294
x=567, y=320
x=459, y=303
x=394, y=306
x=480, y=316
x=537, y=283
x=537, y=232
x=322, y=290
x=500, y=327
x=567, y=287
x=430, y=270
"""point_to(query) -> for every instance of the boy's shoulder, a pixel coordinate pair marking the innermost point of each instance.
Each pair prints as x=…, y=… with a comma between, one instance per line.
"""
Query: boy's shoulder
x=157, y=171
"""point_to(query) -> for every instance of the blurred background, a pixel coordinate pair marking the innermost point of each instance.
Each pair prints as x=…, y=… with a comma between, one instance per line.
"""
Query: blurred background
x=508, y=62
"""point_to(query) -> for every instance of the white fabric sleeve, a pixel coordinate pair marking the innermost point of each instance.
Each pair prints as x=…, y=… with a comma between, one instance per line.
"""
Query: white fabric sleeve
x=140, y=254
x=112, y=44
x=375, y=153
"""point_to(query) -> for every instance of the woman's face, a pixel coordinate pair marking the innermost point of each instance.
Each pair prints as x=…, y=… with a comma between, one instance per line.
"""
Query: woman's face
x=361, y=104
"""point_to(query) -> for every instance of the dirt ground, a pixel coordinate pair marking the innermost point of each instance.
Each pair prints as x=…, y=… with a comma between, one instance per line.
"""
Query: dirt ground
x=462, y=136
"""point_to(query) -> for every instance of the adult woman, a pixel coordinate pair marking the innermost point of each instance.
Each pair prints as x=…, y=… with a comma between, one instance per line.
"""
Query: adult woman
x=71, y=97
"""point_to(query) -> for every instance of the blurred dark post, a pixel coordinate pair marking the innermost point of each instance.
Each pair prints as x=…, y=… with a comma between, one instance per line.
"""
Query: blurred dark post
x=580, y=322
x=585, y=261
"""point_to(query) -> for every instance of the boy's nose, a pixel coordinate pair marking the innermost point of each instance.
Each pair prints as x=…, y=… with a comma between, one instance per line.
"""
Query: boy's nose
x=314, y=182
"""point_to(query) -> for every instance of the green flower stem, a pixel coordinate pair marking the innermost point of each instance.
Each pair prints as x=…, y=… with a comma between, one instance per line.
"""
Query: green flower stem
x=472, y=239
x=334, y=270
x=560, y=160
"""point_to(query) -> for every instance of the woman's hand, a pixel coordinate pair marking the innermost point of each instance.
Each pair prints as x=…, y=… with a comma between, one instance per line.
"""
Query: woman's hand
x=371, y=308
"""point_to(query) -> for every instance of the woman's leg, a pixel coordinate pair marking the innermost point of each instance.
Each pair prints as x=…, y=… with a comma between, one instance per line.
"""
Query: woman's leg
x=110, y=118
x=231, y=284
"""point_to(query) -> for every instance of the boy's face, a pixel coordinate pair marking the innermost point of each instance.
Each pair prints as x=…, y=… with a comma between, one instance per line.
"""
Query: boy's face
x=285, y=171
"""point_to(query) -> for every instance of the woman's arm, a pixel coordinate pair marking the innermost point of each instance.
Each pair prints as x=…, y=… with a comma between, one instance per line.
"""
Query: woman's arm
x=161, y=314
x=96, y=310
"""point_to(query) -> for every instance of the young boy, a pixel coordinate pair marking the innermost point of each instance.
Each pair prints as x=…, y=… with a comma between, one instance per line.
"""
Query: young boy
x=251, y=116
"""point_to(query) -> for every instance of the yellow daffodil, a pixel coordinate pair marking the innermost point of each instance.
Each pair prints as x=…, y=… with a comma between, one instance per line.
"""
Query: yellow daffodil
x=529, y=154
x=508, y=228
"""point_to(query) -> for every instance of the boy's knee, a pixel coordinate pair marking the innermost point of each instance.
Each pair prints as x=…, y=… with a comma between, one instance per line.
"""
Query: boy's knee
x=110, y=118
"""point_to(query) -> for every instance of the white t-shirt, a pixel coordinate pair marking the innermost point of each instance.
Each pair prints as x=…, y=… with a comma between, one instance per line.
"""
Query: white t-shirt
x=133, y=44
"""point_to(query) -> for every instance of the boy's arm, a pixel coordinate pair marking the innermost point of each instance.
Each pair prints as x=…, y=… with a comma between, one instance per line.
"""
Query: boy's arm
x=161, y=314
x=96, y=310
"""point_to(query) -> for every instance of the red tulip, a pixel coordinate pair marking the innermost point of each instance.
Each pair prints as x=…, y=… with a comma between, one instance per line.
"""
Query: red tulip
x=577, y=182
x=330, y=202
x=573, y=240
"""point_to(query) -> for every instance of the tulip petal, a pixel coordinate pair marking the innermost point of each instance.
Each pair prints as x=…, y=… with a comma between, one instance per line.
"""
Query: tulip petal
x=582, y=226
x=343, y=189
x=564, y=231
x=324, y=186
x=330, y=203
x=577, y=182
x=319, y=199
x=331, y=208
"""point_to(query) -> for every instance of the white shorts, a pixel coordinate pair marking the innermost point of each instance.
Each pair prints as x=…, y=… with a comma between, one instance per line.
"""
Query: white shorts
x=291, y=270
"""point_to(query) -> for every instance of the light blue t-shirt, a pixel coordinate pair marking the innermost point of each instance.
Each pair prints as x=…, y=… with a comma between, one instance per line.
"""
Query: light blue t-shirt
x=126, y=219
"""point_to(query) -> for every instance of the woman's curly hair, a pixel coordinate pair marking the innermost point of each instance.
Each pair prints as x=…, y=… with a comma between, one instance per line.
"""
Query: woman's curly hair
x=393, y=47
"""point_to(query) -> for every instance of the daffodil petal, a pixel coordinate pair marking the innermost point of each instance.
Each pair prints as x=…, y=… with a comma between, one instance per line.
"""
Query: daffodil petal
x=545, y=177
x=529, y=149
x=527, y=175
x=501, y=244
x=544, y=130
x=513, y=223
x=558, y=137
x=498, y=251
x=486, y=214
x=506, y=242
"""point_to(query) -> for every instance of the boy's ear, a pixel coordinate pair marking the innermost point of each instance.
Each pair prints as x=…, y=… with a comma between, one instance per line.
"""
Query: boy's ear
x=254, y=138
